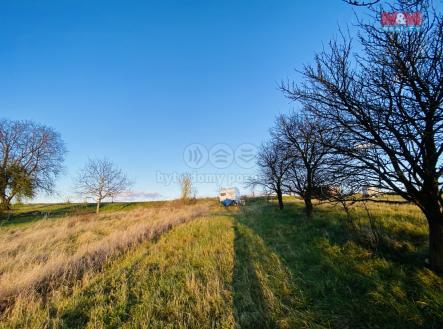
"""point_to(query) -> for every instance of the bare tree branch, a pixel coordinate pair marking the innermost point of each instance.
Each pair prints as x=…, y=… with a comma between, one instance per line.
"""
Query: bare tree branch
x=101, y=179
x=388, y=103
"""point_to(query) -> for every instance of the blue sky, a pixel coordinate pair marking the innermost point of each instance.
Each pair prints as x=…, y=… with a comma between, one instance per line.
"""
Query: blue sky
x=138, y=81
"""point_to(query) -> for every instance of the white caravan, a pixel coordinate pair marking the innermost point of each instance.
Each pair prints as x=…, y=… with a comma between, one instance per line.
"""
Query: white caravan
x=230, y=193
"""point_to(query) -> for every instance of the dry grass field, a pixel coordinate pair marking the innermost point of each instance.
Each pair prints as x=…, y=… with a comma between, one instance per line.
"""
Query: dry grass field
x=204, y=266
x=48, y=253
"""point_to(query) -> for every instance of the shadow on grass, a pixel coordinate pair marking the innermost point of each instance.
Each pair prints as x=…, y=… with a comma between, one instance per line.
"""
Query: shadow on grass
x=339, y=282
x=265, y=293
x=250, y=306
x=403, y=245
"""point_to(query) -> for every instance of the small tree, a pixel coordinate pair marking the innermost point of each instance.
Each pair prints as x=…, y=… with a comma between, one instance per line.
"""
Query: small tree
x=273, y=162
x=101, y=179
x=31, y=157
x=187, y=189
x=309, y=156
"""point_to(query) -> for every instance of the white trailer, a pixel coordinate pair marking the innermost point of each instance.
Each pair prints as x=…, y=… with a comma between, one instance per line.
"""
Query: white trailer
x=229, y=194
x=369, y=191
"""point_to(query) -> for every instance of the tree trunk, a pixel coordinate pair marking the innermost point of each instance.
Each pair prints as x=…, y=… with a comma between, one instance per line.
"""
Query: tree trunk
x=308, y=206
x=280, y=199
x=6, y=204
x=98, y=206
x=436, y=244
x=430, y=206
x=308, y=194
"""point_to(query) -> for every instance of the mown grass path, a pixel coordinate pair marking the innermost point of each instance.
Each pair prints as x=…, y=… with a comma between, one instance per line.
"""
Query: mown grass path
x=181, y=281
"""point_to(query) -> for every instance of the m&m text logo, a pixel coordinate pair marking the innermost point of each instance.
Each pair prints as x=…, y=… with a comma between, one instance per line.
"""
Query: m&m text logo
x=401, y=20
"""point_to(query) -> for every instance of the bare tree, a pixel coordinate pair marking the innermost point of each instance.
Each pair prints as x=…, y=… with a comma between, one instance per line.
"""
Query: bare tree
x=304, y=138
x=101, y=179
x=400, y=4
x=388, y=101
x=31, y=157
x=273, y=162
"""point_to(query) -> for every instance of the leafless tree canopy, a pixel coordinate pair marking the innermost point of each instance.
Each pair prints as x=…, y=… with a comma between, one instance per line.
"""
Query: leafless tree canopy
x=273, y=161
x=388, y=103
x=297, y=159
x=400, y=4
x=101, y=179
x=31, y=157
x=307, y=141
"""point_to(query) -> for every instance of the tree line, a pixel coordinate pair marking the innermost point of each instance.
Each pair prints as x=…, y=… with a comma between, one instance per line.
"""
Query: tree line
x=371, y=114
x=31, y=158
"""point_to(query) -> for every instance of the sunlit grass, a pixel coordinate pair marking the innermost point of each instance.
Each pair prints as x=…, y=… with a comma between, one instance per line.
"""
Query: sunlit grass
x=182, y=281
x=21, y=214
x=47, y=253
x=255, y=267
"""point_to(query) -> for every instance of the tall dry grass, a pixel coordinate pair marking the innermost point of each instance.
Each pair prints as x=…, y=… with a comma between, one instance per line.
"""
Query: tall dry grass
x=41, y=256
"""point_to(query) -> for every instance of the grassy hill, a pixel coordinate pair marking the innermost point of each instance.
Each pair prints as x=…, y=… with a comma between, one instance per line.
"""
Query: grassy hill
x=27, y=213
x=253, y=267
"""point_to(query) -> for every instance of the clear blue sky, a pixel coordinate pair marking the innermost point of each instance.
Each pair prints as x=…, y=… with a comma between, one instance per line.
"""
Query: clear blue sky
x=138, y=81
